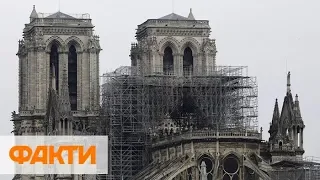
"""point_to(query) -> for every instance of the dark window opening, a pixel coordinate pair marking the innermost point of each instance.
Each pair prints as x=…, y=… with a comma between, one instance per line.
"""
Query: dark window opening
x=72, y=77
x=187, y=62
x=168, y=61
x=230, y=165
x=54, y=62
x=226, y=177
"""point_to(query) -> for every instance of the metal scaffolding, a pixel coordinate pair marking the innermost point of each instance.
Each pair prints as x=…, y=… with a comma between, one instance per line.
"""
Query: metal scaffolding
x=307, y=168
x=135, y=105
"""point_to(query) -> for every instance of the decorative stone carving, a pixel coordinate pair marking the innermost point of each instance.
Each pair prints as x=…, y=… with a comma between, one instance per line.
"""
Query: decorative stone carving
x=209, y=46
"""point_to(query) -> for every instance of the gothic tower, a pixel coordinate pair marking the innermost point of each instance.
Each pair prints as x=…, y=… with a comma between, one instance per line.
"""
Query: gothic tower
x=58, y=52
x=174, y=45
x=286, y=129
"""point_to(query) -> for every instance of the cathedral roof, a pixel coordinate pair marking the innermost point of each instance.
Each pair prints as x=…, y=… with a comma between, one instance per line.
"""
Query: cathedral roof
x=174, y=16
x=59, y=14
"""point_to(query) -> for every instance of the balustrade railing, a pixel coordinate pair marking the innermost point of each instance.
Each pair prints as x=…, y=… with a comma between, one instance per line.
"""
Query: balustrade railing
x=206, y=134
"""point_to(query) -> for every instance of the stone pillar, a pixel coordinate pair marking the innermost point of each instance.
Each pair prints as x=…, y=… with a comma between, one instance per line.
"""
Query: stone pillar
x=92, y=69
x=301, y=138
x=85, y=88
x=197, y=65
x=178, y=64
x=79, y=81
x=63, y=63
x=41, y=78
x=158, y=63
x=30, y=79
x=205, y=64
x=160, y=67
x=297, y=138
x=294, y=129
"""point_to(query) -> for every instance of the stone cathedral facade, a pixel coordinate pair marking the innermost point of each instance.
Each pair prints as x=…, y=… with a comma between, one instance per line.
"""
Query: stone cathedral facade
x=59, y=94
x=58, y=77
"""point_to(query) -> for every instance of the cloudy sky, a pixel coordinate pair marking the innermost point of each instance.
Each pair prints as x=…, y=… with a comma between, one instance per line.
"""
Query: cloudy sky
x=268, y=36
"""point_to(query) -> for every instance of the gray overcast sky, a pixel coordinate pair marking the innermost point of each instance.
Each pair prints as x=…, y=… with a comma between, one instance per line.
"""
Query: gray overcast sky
x=263, y=35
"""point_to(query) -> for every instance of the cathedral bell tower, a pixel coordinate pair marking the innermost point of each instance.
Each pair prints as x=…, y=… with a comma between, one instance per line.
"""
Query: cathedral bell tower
x=58, y=72
x=174, y=45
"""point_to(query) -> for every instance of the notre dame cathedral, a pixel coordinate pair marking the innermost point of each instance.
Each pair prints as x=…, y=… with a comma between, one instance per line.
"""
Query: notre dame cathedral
x=174, y=114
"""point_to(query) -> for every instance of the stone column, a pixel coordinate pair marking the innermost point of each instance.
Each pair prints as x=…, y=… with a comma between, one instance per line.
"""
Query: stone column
x=85, y=88
x=294, y=130
x=92, y=78
x=178, y=64
x=197, y=65
x=23, y=82
x=40, y=70
x=63, y=63
x=29, y=70
x=79, y=81
x=159, y=68
x=46, y=77
x=301, y=138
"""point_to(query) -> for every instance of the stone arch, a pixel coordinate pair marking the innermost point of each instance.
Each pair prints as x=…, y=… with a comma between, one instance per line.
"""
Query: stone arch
x=190, y=42
x=78, y=44
x=231, y=153
x=209, y=161
x=231, y=166
x=55, y=40
x=182, y=169
x=169, y=42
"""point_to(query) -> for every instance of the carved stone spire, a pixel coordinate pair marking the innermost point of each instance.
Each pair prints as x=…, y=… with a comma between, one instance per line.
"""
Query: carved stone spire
x=33, y=14
x=276, y=114
x=288, y=83
x=274, y=126
x=203, y=171
x=191, y=17
x=65, y=106
x=296, y=110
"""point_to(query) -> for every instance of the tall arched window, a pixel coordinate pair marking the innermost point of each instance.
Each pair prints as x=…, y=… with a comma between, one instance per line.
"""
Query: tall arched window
x=187, y=62
x=72, y=77
x=168, y=61
x=54, y=61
